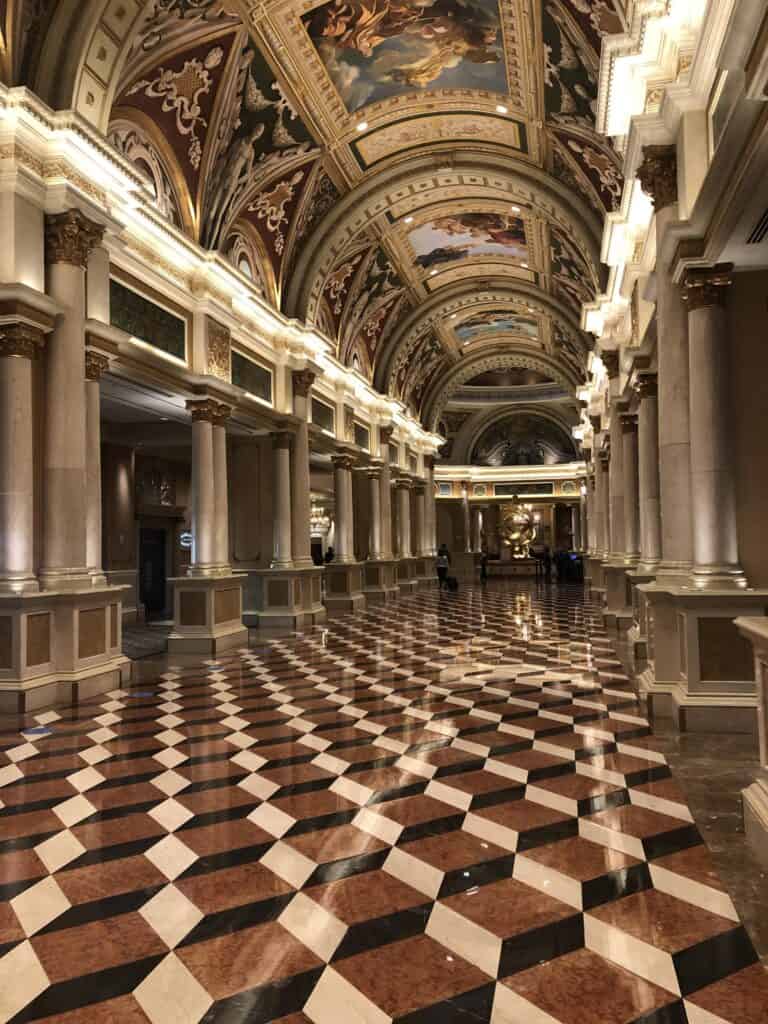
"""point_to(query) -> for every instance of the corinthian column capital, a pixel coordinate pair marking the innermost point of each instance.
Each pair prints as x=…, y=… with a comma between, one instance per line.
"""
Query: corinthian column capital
x=70, y=237
x=657, y=174
x=707, y=286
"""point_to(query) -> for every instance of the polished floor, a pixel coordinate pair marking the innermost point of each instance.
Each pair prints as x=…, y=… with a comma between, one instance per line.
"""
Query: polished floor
x=449, y=810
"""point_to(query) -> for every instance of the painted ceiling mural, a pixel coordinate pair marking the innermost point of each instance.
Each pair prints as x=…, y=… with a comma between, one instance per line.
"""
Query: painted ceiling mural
x=377, y=167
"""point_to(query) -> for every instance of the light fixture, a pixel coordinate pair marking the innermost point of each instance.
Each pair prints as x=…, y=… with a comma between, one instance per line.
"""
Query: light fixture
x=362, y=126
x=524, y=266
x=409, y=219
x=433, y=273
x=515, y=209
x=501, y=109
x=454, y=315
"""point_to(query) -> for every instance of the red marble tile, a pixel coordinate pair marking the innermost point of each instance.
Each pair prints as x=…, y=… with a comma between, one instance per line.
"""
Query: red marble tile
x=113, y=831
x=247, y=959
x=740, y=998
x=661, y=920
x=329, y=844
x=225, y=836
x=365, y=897
x=96, y=946
x=522, y=815
x=221, y=798
x=10, y=928
x=315, y=804
x=577, y=858
x=453, y=850
x=406, y=976
x=583, y=988
x=20, y=865
x=635, y=821
x=232, y=887
x=694, y=863
x=490, y=906
x=123, y=1010
x=414, y=810
x=98, y=881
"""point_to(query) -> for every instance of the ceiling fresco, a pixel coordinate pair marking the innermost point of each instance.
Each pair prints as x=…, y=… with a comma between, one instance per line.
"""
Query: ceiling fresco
x=421, y=179
x=376, y=50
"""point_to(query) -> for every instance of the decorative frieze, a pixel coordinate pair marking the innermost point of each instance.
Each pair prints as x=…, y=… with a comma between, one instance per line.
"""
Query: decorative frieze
x=611, y=362
x=218, y=355
x=707, y=286
x=385, y=434
x=657, y=174
x=646, y=385
x=342, y=461
x=70, y=237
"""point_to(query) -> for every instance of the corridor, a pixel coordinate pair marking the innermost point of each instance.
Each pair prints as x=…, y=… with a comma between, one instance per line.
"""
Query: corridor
x=450, y=809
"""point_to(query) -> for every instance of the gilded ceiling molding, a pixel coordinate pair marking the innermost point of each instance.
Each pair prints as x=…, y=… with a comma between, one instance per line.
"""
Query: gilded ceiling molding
x=439, y=394
x=403, y=188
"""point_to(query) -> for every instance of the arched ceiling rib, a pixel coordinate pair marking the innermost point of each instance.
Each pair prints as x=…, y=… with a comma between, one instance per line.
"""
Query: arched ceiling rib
x=375, y=166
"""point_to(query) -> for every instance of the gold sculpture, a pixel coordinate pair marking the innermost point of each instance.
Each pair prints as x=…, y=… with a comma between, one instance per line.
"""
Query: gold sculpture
x=517, y=528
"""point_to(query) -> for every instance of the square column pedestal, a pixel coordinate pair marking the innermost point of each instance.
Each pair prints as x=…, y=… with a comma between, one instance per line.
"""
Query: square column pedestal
x=285, y=598
x=637, y=637
x=207, y=614
x=380, y=580
x=702, y=672
x=406, y=575
x=343, y=587
x=617, y=613
x=426, y=572
x=594, y=573
x=59, y=647
x=755, y=797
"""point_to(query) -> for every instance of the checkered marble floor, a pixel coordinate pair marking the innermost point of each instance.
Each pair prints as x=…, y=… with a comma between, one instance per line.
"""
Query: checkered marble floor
x=448, y=810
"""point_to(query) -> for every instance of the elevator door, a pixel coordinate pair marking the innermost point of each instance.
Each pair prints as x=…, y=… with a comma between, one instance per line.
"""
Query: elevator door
x=152, y=573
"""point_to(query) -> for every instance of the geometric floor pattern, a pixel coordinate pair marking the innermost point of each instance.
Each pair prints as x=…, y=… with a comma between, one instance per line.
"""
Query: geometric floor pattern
x=446, y=811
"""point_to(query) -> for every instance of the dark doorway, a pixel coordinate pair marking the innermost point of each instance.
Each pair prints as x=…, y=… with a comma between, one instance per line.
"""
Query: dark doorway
x=152, y=571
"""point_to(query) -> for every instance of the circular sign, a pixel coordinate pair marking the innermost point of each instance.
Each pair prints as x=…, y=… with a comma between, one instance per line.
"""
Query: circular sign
x=185, y=540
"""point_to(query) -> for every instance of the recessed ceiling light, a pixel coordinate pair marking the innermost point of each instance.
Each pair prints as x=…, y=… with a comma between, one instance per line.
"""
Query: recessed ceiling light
x=362, y=126
x=454, y=315
x=501, y=109
x=515, y=209
x=524, y=266
x=433, y=273
x=409, y=219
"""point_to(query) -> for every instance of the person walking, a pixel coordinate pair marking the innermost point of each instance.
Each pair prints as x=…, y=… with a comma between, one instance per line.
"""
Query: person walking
x=484, y=568
x=443, y=564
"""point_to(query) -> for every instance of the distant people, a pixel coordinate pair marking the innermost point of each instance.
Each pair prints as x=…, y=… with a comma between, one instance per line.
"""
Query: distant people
x=546, y=561
x=484, y=568
x=443, y=564
x=330, y=554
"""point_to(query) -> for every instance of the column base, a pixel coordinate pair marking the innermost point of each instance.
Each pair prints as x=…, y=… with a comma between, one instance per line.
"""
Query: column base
x=133, y=610
x=60, y=647
x=618, y=598
x=287, y=598
x=703, y=673
x=755, y=804
x=343, y=587
x=207, y=614
x=426, y=572
x=380, y=580
x=638, y=634
x=406, y=576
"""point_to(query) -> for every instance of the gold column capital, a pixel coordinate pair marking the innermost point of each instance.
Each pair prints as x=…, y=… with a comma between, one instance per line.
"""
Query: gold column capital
x=707, y=286
x=96, y=364
x=657, y=174
x=71, y=237
x=646, y=385
x=302, y=382
x=208, y=410
x=20, y=339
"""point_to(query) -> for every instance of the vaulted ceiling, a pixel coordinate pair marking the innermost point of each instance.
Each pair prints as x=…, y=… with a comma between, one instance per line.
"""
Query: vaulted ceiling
x=421, y=179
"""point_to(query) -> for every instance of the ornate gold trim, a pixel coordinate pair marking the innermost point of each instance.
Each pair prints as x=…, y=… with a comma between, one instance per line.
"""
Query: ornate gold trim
x=21, y=339
x=707, y=286
x=95, y=364
x=302, y=382
x=657, y=174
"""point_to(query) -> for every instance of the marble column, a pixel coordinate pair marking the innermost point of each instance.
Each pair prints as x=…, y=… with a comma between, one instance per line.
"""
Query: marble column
x=616, y=487
x=221, y=490
x=420, y=519
x=300, y=482
x=715, y=532
x=20, y=344
x=374, y=540
x=204, y=561
x=95, y=365
x=631, y=500
x=403, y=488
x=476, y=528
x=466, y=517
x=658, y=177
x=429, y=468
x=648, y=471
x=342, y=479
x=592, y=510
x=385, y=438
x=70, y=237
x=583, y=519
x=602, y=491
x=281, y=490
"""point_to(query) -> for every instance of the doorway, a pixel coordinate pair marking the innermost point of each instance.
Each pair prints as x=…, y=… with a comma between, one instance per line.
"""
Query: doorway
x=152, y=554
